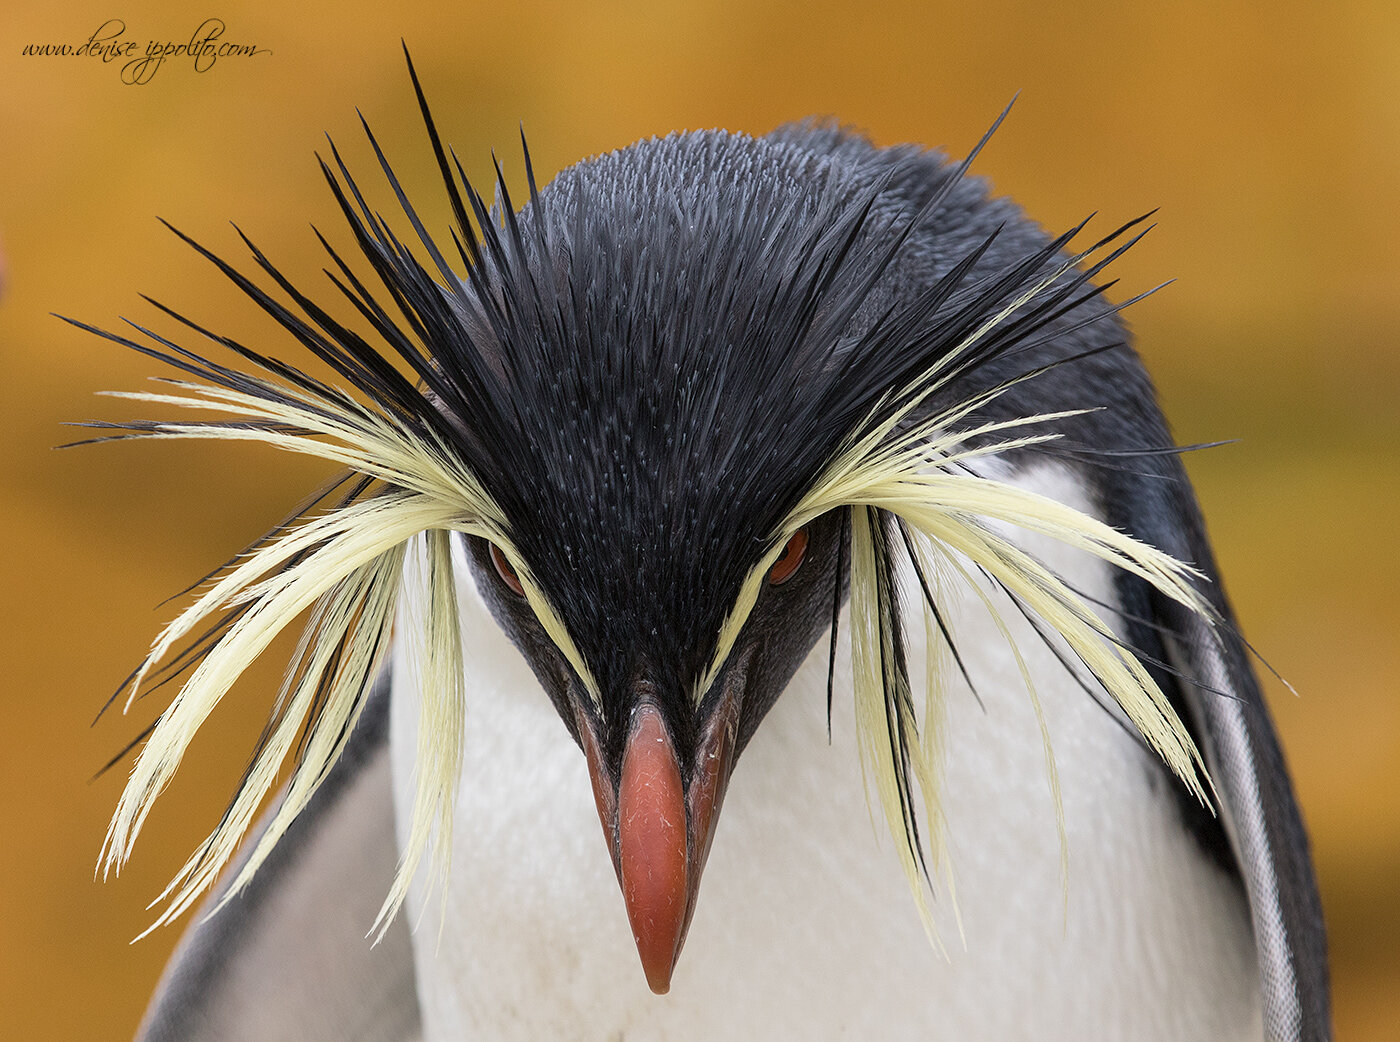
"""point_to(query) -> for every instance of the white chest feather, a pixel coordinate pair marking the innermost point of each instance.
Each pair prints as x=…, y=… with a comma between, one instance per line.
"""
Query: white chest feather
x=805, y=928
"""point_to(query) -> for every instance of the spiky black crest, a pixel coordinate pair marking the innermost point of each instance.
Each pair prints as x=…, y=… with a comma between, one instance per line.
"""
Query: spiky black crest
x=652, y=362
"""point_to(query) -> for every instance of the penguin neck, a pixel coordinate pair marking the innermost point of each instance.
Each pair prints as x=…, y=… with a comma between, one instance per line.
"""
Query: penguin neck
x=805, y=926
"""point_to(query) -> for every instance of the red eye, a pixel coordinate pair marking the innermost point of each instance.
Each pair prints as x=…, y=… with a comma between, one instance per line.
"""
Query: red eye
x=505, y=571
x=790, y=560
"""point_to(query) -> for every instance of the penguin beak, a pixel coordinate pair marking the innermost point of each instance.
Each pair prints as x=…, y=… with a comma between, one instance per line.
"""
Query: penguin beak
x=659, y=824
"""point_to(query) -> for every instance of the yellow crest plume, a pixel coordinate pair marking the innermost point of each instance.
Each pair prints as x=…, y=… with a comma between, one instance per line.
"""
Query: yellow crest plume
x=345, y=566
x=904, y=477
x=406, y=482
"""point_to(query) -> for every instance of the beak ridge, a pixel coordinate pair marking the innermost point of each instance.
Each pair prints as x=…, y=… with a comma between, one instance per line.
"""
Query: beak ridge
x=659, y=828
x=652, y=844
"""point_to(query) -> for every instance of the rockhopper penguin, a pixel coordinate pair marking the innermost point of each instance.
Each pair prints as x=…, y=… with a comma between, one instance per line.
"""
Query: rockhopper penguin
x=789, y=452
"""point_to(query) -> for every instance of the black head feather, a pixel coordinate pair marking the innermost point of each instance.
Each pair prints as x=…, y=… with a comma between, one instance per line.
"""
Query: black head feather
x=654, y=359
x=651, y=363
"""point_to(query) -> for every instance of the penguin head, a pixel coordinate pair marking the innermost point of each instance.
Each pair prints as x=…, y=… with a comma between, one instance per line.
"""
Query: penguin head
x=679, y=404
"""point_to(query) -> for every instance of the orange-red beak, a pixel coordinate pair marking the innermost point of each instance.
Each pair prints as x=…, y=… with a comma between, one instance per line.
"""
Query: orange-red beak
x=659, y=825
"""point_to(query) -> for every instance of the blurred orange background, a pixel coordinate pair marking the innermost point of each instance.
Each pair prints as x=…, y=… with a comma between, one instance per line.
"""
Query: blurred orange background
x=1268, y=134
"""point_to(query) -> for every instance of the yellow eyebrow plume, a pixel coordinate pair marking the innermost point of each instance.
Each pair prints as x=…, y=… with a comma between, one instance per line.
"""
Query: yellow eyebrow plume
x=344, y=566
x=915, y=473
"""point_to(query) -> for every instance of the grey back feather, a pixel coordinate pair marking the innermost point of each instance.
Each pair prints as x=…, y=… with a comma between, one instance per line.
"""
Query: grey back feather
x=289, y=957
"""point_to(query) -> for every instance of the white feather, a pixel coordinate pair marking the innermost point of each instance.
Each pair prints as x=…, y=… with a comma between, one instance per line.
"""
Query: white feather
x=804, y=928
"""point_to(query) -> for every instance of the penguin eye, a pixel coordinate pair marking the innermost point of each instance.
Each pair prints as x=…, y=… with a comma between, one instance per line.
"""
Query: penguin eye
x=790, y=560
x=505, y=571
